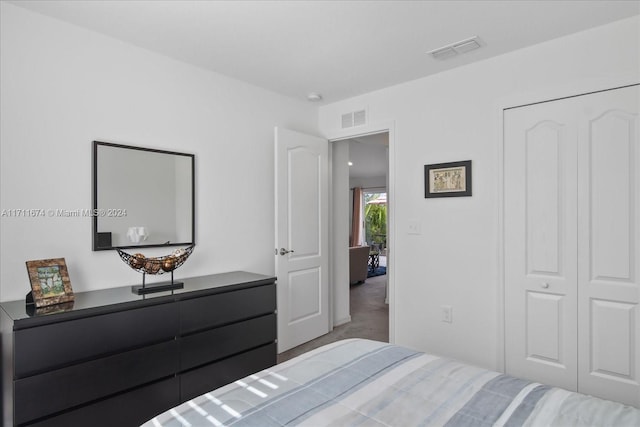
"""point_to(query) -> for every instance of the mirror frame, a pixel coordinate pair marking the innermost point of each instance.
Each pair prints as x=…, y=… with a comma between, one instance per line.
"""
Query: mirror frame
x=94, y=196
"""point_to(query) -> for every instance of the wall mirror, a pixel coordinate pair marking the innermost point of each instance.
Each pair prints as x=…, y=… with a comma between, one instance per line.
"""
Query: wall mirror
x=142, y=197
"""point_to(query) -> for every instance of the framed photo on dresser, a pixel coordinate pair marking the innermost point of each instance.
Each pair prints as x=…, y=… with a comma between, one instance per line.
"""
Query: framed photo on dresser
x=50, y=282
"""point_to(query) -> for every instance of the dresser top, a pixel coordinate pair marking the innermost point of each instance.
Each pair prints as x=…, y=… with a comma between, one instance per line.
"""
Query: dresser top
x=113, y=299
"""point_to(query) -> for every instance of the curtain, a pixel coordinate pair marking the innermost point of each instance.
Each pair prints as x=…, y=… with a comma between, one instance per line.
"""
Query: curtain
x=356, y=219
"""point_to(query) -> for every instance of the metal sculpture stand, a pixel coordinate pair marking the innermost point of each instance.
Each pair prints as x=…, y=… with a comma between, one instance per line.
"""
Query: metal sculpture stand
x=156, y=287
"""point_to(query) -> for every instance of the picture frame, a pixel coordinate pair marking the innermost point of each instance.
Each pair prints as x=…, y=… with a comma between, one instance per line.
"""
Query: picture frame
x=50, y=284
x=452, y=179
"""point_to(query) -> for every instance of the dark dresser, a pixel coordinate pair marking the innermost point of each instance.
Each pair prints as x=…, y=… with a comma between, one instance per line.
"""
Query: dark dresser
x=114, y=358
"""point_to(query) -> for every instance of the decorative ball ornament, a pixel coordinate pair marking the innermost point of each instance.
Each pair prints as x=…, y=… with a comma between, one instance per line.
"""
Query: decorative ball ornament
x=137, y=261
x=169, y=264
x=152, y=266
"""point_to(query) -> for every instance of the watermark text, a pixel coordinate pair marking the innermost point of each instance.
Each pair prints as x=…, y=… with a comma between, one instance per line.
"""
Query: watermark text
x=61, y=213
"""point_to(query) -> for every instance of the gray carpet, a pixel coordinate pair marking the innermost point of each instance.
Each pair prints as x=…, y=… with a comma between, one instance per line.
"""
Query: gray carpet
x=369, y=318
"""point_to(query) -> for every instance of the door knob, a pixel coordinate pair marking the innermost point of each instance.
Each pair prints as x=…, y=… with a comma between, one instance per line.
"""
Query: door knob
x=283, y=251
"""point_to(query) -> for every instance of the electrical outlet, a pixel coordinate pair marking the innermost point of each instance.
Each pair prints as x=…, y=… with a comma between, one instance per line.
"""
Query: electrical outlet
x=447, y=313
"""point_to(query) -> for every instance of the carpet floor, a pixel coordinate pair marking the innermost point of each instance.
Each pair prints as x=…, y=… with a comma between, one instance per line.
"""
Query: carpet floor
x=369, y=318
x=380, y=271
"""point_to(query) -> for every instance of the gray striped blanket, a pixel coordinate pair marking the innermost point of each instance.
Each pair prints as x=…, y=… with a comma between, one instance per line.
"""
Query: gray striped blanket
x=367, y=383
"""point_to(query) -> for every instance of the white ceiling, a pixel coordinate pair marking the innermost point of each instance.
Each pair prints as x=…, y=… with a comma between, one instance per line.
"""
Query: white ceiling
x=338, y=48
x=369, y=156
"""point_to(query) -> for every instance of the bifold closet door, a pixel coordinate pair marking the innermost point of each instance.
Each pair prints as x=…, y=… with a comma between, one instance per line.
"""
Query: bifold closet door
x=540, y=241
x=609, y=245
x=572, y=243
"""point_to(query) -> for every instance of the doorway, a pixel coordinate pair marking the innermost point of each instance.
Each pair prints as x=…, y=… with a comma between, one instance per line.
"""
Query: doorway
x=361, y=162
x=337, y=214
x=363, y=310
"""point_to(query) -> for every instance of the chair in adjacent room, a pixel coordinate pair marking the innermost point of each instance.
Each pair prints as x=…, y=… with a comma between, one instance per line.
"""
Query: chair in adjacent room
x=358, y=263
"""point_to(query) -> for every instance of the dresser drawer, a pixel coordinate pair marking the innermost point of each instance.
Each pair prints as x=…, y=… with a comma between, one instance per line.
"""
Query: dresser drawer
x=128, y=409
x=208, y=346
x=206, y=312
x=210, y=377
x=57, y=345
x=54, y=391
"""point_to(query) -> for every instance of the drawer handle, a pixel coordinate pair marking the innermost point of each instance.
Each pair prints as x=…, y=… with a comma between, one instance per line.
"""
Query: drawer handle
x=545, y=285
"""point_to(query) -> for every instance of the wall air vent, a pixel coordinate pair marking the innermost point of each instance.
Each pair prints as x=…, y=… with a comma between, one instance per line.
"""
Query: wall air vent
x=347, y=120
x=355, y=118
x=359, y=118
x=454, y=49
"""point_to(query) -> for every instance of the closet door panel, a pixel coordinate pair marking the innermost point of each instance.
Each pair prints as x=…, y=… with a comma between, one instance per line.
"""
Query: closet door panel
x=540, y=263
x=612, y=353
x=543, y=196
x=544, y=332
x=608, y=241
x=610, y=146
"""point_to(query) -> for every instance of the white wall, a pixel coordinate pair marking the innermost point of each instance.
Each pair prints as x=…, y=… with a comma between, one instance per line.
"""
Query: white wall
x=456, y=116
x=377, y=182
x=63, y=87
x=340, y=226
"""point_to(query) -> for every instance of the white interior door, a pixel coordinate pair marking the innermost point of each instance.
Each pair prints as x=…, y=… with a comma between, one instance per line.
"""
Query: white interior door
x=609, y=245
x=302, y=222
x=540, y=244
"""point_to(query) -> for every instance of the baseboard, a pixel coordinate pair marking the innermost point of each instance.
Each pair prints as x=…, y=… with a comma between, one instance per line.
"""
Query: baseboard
x=342, y=321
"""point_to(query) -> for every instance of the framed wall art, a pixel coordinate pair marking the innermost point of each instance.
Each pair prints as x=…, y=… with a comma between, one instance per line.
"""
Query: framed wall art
x=50, y=282
x=451, y=179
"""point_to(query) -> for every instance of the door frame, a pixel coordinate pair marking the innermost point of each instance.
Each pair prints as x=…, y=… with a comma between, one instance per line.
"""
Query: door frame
x=577, y=88
x=355, y=132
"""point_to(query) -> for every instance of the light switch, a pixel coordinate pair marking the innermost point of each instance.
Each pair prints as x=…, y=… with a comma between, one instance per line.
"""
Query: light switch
x=447, y=313
x=414, y=227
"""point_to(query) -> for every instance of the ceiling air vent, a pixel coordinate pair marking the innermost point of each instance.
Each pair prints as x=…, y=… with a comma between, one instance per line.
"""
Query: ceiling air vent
x=467, y=45
x=355, y=118
x=453, y=49
x=443, y=53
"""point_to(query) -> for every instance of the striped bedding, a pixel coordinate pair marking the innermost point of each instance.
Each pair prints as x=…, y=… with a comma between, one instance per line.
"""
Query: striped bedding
x=368, y=383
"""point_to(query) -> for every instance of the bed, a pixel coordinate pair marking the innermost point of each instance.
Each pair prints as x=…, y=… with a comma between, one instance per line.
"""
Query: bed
x=369, y=383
